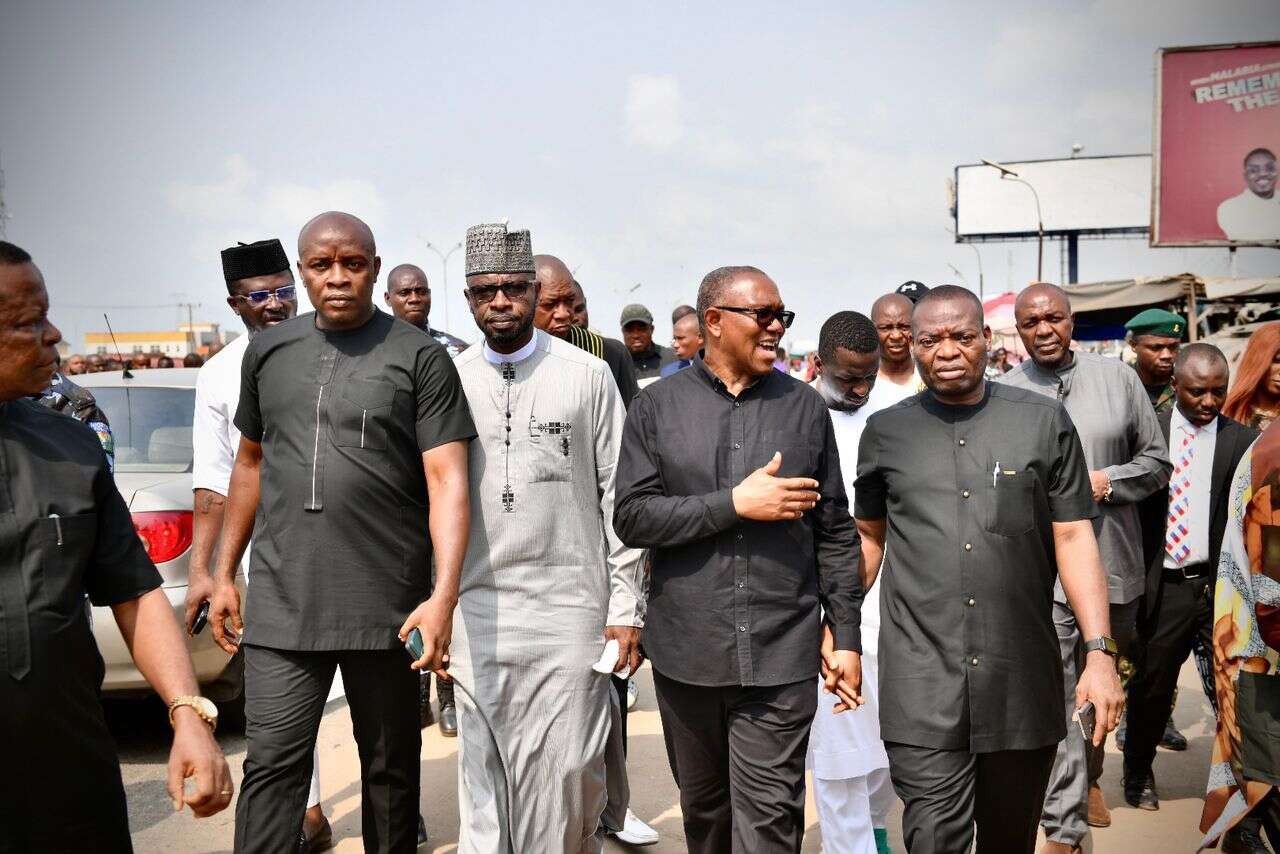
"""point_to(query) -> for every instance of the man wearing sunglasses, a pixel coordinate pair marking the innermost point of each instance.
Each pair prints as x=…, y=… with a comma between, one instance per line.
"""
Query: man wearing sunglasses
x=730, y=475
x=546, y=584
x=261, y=291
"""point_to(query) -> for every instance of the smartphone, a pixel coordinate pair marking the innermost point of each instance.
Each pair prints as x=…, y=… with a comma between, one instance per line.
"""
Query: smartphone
x=1087, y=720
x=414, y=644
x=202, y=618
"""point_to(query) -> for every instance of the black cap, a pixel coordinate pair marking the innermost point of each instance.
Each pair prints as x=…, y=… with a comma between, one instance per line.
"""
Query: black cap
x=247, y=260
x=912, y=290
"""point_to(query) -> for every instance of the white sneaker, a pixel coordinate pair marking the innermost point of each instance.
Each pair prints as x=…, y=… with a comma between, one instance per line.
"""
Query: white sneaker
x=636, y=832
x=633, y=694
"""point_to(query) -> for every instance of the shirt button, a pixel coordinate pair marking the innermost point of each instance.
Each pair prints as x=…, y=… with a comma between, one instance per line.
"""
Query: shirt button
x=974, y=661
x=972, y=602
x=962, y=443
x=737, y=445
x=965, y=493
x=739, y=536
x=741, y=585
x=737, y=405
x=744, y=628
x=968, y=547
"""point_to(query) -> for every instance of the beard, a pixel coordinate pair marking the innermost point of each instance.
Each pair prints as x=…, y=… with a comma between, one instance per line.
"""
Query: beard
x=510, y=335
x=837, y=400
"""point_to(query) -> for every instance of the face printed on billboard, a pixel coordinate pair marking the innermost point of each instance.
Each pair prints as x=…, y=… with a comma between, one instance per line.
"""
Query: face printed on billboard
x=1218, y=132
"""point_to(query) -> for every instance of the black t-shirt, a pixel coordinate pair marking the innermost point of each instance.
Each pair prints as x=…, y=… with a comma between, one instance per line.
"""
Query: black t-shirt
x=969, y=657
x=341, y=548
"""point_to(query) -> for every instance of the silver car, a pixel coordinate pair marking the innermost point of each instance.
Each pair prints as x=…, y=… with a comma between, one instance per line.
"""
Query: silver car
x=151, y=416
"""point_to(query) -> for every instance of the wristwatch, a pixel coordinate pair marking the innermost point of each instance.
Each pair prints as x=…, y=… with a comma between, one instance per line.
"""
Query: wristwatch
x=1105, y=643
x=1106, y=496
x=202, y=706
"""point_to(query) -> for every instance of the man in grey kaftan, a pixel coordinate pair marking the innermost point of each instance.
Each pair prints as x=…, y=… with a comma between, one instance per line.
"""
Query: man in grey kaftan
x=545, y=579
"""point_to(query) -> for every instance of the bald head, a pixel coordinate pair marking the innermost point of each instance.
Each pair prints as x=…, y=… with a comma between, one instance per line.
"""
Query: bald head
x=339, y=265
x=336, y=222
x=556, y=297
x=1042, y=293
x=891, y=315
x=891, y=302
x=409, y=295
x=1042, y=314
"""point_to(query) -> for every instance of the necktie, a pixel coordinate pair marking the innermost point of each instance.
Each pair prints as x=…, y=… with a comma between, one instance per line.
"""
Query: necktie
x=1177, y=531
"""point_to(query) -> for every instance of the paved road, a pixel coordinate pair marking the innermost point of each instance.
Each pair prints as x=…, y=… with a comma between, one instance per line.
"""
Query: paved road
x=143, y=736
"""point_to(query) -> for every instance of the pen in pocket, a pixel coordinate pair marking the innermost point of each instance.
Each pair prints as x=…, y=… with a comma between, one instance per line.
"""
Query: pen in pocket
x=57, y=525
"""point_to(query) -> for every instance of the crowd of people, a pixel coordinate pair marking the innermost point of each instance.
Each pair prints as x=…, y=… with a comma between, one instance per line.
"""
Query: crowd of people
x=926, y=575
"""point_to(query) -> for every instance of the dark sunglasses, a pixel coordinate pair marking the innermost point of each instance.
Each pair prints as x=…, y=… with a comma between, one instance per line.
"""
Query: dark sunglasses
x=483, y=294
x=764, y=316
x=288, y=293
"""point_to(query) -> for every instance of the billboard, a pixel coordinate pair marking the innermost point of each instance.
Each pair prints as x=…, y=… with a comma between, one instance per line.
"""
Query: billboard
x=1087, y=195
x=1217, y=133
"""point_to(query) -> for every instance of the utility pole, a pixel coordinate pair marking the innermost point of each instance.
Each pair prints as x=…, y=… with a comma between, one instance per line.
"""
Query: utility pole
x=4, y=212
x=444, y=279
x=191, y=332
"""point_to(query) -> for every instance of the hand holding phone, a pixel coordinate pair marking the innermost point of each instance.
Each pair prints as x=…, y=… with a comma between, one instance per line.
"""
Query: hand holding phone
x=1086, y=719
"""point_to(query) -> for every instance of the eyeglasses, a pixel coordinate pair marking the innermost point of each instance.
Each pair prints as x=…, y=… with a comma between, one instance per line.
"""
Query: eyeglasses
x=483, y=294
x=288, y=293
x=764, y=316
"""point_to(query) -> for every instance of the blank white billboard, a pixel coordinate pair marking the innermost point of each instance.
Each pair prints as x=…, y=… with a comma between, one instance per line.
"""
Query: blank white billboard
x=1088, y=194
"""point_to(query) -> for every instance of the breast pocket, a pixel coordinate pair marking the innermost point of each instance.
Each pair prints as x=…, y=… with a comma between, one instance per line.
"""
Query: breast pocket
x=67, y=547
x=1013, y=510
x=363, y=414
x=551, y=448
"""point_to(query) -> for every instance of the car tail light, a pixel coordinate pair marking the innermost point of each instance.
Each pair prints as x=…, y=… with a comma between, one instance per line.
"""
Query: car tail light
x=165, y=533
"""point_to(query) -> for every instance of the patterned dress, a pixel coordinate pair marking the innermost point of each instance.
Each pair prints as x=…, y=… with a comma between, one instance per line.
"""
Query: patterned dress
x=1246, y=644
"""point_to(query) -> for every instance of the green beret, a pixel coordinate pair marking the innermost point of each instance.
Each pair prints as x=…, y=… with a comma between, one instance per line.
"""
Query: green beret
x=1157, y=321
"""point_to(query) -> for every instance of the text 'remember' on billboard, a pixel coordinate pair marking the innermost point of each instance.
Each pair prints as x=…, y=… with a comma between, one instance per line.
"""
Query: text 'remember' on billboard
x=1217, y=136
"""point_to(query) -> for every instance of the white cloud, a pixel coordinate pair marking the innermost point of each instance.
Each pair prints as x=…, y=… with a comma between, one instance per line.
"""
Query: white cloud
x=654, y=111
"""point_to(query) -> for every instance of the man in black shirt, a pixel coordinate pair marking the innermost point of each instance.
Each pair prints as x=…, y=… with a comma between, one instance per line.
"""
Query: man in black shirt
x=409, y=295
x=979, y=495
x=637, y=333
x=729, y=473
x=560, y=305
x=354, y=441
x=66, y=534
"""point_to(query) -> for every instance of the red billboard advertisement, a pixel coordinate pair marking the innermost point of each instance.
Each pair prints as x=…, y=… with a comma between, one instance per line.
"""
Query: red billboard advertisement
x=1217, y=134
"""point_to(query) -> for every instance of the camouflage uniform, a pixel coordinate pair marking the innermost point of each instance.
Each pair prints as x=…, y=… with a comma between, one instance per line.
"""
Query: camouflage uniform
x=66, y=397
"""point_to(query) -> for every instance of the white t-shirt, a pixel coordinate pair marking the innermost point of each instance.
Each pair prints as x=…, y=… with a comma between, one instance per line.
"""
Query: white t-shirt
x=1248, y=216
x=886, y=393
x=214, y=437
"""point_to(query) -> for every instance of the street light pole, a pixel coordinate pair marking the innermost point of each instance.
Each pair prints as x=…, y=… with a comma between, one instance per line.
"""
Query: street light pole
x=1009, y=174
x=444, y=281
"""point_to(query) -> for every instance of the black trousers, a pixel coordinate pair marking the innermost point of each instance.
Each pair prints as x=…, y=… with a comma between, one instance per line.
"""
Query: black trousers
x=946, y=793
x=285, y=693
x=1183, y=613
x=737, y=754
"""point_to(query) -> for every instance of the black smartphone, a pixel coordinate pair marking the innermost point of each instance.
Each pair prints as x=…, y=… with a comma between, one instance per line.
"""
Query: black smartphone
x=1087, y=720
x=414, y=644
x=202, y=618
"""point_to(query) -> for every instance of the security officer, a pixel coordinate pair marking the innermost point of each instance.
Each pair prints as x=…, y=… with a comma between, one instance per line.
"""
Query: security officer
x=1155, y=335
x=65, y=533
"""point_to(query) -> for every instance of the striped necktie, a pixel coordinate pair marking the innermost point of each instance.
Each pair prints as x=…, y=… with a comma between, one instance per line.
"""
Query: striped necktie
x=1176, y=530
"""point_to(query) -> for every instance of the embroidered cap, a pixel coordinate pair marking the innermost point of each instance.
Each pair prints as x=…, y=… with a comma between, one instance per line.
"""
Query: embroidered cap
x=493, y=249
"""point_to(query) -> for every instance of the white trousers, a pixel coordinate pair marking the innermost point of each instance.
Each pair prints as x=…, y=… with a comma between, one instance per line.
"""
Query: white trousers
x=850, y=810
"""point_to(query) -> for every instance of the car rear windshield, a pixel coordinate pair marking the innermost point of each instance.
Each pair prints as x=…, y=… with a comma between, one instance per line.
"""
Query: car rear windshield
x=152, y=427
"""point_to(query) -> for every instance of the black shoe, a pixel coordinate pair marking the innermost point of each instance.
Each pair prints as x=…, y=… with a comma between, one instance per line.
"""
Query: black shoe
x=1244, y=838
x=425, y=716
x=448, y=712
x=1140, y=791
x=321, y=840
x=422, y=830
x=1172, y=739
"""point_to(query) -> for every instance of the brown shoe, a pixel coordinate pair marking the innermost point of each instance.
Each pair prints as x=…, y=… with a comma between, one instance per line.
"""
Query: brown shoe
x=1053, y=847
x=1099, y=815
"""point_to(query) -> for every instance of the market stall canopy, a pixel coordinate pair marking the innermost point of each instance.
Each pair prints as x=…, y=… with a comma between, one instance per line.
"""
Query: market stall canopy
x=1129, y=293
x=1101, y=308
x=1220, y=288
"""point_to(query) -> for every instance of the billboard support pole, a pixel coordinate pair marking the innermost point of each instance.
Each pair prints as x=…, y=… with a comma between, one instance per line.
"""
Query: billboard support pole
x=1073, y=257
x=1191, y=308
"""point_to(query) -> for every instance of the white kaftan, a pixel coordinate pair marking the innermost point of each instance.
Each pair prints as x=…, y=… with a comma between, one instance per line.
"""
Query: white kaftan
x=543, y=576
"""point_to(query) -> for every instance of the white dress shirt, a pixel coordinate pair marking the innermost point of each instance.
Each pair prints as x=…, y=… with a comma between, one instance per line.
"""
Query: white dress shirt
x=1197, y=519
x=214, y=437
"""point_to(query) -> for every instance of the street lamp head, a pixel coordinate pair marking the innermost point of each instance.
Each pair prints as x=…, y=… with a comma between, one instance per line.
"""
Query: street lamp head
x=1004, y=170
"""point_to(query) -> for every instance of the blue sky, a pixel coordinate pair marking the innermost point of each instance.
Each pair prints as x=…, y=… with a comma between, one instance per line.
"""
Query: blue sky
x=645, y=144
